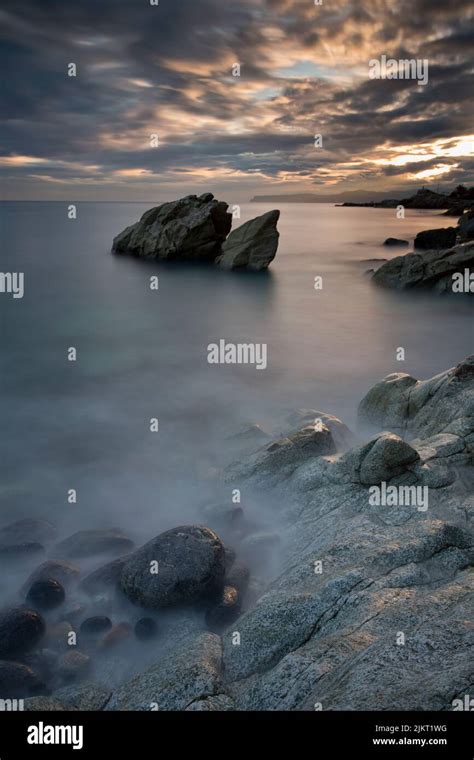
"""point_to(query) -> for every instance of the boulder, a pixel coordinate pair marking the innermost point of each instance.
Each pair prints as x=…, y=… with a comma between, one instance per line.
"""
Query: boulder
x=225, y=610
x=190, y=569
x=190, y=671
x=20, y=630
x=385, y=458
x=192, y=228
x=429, y=240
x=21, y=531
x=104, y=577
x=58, y=570
x=88, y=543
x=433, y=269
x=395, y=241
x=18, y=681
x=253, y=245
x=466, y=226
x=45, y=594
x=73, y=665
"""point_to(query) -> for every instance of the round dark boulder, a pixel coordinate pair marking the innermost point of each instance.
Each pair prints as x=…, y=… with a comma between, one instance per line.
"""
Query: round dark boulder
x=18, y=681
x=225, y=611
x=20, y=630
x=182, y=566
x=104, y=577
x=95, y=626
x=395, y=241
x=57, y=569
x=146, y=628
x=46, y=594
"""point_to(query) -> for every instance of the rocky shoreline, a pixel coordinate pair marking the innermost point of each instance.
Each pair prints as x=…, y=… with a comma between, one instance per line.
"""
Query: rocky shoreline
x=368, y=604
x=443, y=260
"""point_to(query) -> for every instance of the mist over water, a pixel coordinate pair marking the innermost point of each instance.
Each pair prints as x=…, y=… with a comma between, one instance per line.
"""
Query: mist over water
x=143, y=354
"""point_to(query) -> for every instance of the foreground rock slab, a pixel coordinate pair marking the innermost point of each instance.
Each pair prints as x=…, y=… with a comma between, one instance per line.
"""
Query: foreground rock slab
x=432, y=269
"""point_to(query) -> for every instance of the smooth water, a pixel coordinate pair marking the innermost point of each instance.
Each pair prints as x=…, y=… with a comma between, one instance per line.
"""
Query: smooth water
x=143, y=353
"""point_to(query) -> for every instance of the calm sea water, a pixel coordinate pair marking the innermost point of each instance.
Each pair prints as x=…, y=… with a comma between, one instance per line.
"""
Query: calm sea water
x=143, y=354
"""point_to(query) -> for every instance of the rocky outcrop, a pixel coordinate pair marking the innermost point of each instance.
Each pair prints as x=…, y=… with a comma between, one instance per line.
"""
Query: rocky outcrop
x=466, y=226
x=183, y=565
x=195, y=228
x=395, y=242
x=192, y=228
x=253, y=245
x=191, y=672
x=432, y=269
x=436, y=239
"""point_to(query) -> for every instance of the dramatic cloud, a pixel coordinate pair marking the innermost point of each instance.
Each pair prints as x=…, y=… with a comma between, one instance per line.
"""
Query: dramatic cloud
x=155, y=107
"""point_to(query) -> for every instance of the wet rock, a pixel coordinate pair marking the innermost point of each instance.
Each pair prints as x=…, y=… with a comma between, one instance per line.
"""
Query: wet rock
x=45, y=594
x=146, y=628
x=217, y=703
x=21, y=629
x=225, y=611
x=59, y=570
x=223, y=515
x=42, y=662
x=342, y=436
x=88, y=543
x=192, y=228
x=431, y=269
x=190, y=671
x=191, y=567
x=466, y=226
x=29, y=530
x=95, y=626
x=72, y=666
x=18, y=681
x=253, y=245
x=238, y=576
x=429, y=240
x=104, y=577
x=118, y=635
x=395, y=242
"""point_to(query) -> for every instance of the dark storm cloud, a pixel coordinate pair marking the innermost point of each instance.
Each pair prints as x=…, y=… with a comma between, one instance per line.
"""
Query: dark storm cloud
x=168, y=68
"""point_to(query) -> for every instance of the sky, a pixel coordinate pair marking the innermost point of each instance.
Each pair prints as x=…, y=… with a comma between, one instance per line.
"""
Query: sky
x=156, y=109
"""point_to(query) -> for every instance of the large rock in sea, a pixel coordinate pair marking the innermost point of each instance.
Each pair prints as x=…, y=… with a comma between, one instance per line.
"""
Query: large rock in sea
x=435, y=239
x=192, y=228
x=429, y=269
x=253, y=245
x=190, y=568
